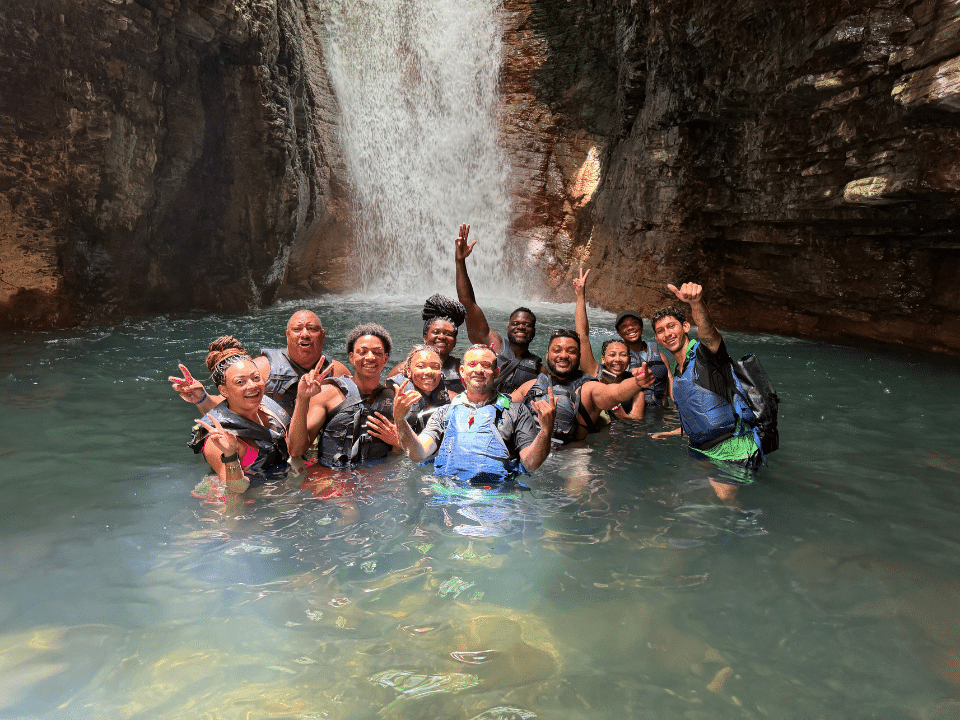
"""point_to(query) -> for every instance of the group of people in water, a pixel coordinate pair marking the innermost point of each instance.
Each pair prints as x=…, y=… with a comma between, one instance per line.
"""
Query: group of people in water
x=482, y=418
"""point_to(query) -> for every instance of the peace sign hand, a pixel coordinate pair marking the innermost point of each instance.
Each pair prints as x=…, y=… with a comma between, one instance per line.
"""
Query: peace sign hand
x=462, y=249
x=688, y=292
x=403, y=400
x=190, y=390
x=580, y=283
x=311, y=383
x=224, y=440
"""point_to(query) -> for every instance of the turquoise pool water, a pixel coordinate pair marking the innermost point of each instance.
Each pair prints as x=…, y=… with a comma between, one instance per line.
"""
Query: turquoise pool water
x=617, y=587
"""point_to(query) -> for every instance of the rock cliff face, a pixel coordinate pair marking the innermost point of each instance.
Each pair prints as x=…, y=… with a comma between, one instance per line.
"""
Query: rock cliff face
x=801, y=160
x=162, y=155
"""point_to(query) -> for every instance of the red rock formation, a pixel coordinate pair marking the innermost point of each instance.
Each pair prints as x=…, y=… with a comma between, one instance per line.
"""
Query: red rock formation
x=801, y=160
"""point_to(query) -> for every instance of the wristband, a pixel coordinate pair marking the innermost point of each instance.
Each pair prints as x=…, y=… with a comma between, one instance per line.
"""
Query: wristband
x=227, y=459
x=198, y=402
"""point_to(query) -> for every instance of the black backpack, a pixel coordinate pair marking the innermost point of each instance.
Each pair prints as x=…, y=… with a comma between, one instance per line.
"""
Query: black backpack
x=753, y=388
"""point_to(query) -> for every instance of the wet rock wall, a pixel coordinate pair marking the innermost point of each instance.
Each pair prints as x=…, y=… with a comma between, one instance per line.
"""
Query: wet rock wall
x=162, y=155
x=801, y=160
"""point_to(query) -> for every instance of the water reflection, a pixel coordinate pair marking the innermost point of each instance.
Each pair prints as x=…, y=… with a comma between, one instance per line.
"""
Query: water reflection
x=617, y=585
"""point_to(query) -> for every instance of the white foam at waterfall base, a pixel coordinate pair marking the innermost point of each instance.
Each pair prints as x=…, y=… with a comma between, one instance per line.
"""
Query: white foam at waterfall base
x=416, y=81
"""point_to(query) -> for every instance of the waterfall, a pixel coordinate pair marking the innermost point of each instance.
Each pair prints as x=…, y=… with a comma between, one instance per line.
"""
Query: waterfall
x=416, y=81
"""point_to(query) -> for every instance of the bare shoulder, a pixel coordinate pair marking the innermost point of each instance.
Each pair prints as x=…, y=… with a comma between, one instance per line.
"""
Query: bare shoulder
x=339, y=369
x=263, y=365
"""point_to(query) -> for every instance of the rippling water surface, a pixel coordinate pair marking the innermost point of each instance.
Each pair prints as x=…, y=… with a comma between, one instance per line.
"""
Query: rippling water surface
x=617, y=587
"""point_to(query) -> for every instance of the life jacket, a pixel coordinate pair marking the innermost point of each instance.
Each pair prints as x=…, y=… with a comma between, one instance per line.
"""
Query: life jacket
x=515, y=370
x=344, y=439
x=566, y=428
x=704, y=398
x=270, y=443
x=472, y=448
x=284, y=377
x=451, y=375
x=426, y=406
x=653, y=395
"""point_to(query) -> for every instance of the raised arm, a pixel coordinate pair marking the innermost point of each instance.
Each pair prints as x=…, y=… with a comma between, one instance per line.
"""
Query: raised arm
x=478, y=329
x=597, y=396
x=706, y=331
x=588, y=363
x=310, y=410
x=192, y=391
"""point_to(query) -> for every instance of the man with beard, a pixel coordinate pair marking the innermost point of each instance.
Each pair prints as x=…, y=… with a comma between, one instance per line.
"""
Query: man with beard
x=282, y=369
x=580, y=398
x=481, y=436
x=515, y=362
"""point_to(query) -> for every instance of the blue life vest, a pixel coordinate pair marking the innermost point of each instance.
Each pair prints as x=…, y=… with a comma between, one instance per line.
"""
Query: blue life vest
x=285, y=374
x=515, y=370
x=270, y=443
x=566, y=427
x=707, y=416
x=426, y=406
x=344, y=439
x=472, y=448
x=653, y=395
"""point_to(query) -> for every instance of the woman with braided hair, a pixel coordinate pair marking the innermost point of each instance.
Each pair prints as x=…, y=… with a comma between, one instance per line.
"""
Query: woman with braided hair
x=244, y=437
x=442, y=318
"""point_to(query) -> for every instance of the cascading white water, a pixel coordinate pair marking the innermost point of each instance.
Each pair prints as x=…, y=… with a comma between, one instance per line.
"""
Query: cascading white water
x=416, y=81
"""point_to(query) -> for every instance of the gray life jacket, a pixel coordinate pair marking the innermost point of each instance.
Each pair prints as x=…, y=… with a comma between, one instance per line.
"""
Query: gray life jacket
x=515, y=370
x=270, y=443
x=653, y=395
x=426, y=406
x=344, y=439
x=284, y=377
x=569, y=408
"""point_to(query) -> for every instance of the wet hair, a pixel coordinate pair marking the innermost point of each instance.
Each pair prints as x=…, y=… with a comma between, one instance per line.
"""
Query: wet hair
x=668, y=312
x=419, y=348
x=222, y=353
x=563, y=332
x=608, y=343
x=528, y=311
x=440, y=307
x=374, y=329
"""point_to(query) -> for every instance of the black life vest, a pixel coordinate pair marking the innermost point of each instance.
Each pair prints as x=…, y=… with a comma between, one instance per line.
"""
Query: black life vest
x=514, y=370
x=270, y=443
x=653, y=395
x=451, y=375
x=284, y=377
x=566, y=427
x=344, y=439
x=426, y=406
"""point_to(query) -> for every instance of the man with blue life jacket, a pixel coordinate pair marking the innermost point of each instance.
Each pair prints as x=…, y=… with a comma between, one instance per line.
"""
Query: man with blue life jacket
x=703, y=390
x=580, y=398
x=516, y=363
x=481, y=436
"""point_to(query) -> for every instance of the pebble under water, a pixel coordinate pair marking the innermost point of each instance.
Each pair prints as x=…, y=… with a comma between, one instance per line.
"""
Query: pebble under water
x=619, y=586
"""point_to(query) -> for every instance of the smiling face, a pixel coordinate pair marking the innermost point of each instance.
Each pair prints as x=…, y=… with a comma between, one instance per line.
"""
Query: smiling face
x=563, y=357
x=442, y=334
x=521, y=329
x=616, y=358
x=368, y=357
x=630, y=329
x=424, y=370
x=242, y=387
x=478, y=371
x=305, y=336
x=671, y=333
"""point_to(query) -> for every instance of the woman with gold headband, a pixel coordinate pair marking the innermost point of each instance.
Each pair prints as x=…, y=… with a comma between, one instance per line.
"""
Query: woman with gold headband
x=244, y=437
